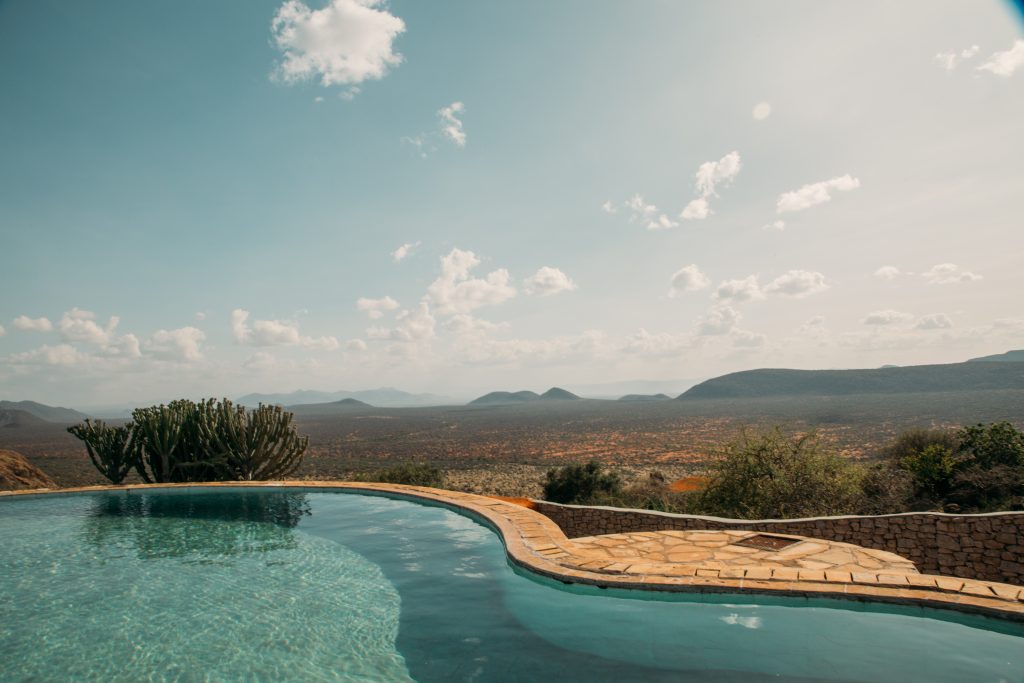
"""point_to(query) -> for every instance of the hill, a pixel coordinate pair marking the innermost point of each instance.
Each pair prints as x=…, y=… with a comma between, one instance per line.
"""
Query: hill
x=17, y=473
x=352, y=403
x=558, y=394
x=644, y=397
x=10, y=419
x=953, y=377
x=45, y=412
x=385, y=397
x=504, y=398
x=1008, y=357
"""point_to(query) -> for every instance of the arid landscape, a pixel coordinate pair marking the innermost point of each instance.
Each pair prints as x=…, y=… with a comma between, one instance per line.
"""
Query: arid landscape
x=505, y=450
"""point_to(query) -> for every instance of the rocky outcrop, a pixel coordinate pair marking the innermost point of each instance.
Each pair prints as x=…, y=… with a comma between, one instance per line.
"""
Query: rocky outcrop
x=17, y=473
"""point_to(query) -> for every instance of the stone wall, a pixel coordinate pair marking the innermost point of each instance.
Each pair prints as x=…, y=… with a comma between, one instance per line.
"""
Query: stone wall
x=987, y=547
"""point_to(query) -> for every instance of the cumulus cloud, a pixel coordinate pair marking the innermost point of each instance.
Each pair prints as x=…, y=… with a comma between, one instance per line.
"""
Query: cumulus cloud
x=739, y=291
x=888, y=272
x=586, y=345
x=608, y=207
x=950, y=60
x=77, y=325
x=412, y=325
x=261, y=360
x=745, y=339
x=815, y=193
x=947, y=274
x=688, y=279
x=451, y=124
x=274, y=333
x=697, y=210
x=547, y=281
x=345, y=43
x=934, y=321
x=657, y=344
x=62, y=355
x=357, y=345
x=403, y=251
x=711, y=174
x=180, y=344
x=797, y=283
x=762, y=110
x=718, y=321
x=454, y=291
x=648, y=214
x=23, y=322
x=1007, y=62
x=887, y=317
x=464, y=324
x=774, y=225
x=375, y=308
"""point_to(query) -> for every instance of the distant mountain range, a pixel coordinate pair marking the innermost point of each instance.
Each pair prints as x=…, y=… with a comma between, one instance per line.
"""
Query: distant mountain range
x=44, y=412
x=1008, y=357
x=386, y=397
x=512, y=397
x=969, y=376
x=645, y=397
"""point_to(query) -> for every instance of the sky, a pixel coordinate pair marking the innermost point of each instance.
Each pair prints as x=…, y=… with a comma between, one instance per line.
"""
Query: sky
x=208, y=199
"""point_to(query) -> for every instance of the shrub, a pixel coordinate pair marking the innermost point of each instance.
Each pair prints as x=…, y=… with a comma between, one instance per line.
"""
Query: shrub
x=580, y=484
x=990, y=469
x=768, y=474
x=410, y=473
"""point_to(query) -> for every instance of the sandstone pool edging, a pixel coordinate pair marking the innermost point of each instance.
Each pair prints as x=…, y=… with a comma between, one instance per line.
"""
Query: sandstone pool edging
x=537, y=544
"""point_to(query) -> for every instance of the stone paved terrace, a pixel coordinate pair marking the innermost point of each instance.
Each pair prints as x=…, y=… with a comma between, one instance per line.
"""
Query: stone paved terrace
x=740, y=549
x=535, y=543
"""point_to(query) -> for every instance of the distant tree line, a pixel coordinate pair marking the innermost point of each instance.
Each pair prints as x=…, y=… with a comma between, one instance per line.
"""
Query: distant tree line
x=186, y=441
x=769, y=474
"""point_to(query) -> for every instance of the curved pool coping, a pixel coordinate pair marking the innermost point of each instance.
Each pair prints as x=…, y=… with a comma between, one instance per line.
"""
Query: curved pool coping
x=536, y=544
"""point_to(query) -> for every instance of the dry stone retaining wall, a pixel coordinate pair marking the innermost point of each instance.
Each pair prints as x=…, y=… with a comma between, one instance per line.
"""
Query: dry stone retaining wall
x=987, y=547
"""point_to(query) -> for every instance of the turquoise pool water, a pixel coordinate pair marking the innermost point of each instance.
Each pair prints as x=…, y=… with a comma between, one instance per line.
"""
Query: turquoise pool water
x=275, y=585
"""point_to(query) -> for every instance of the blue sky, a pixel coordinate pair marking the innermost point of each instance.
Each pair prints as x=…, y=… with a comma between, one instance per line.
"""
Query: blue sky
x=229, y=179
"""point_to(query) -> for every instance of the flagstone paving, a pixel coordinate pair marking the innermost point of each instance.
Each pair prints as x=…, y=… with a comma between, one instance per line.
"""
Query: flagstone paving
x=719, y=550
x=684, y=561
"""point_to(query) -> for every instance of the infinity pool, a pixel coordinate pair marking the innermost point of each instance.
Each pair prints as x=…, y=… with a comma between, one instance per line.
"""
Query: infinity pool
x=286, y=584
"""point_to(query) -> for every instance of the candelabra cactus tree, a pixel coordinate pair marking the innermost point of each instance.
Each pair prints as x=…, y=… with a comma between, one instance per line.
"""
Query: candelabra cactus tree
x=111, y=449
x=206, y=441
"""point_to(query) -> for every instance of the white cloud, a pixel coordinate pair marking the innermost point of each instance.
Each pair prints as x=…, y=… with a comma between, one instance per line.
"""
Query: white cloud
x=464, y=324
x=403, y=251
x=125, y=346
x=648, y=214
x=584, y=346
x=180, y=344
x=660, y=344
x=815, y=193
x=710, y=174
x=888, y=272
x=797, y=283
x=950, y=60
x=415, y=325
x=739, y=291
x=62, y=354
x=608, y=207
x=887, y=317
x=454, y=291
x=688, y=279
x=774, y=225
x=696, y=210
x=23, y=322
x=274, y=333
x=200, y=316
x=1005, y=63
x=77, y=325
x=547, y=281
x=2, y=331
x=934, y=321
x=718, y=321
x=357, y=345
x=948, y=273
x=375, y=308
x=762, y=110
x=261, y=360
x=345, y=43
x=451, y=124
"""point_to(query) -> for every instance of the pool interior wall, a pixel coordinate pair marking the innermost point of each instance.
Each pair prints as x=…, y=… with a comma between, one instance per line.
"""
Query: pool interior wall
x=314, y=585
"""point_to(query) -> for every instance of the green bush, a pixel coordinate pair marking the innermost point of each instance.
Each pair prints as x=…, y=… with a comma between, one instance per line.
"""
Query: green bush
x=581, y=484
x=410, y=474
x=767, y=474
x=989, y=473
x=205, y=441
